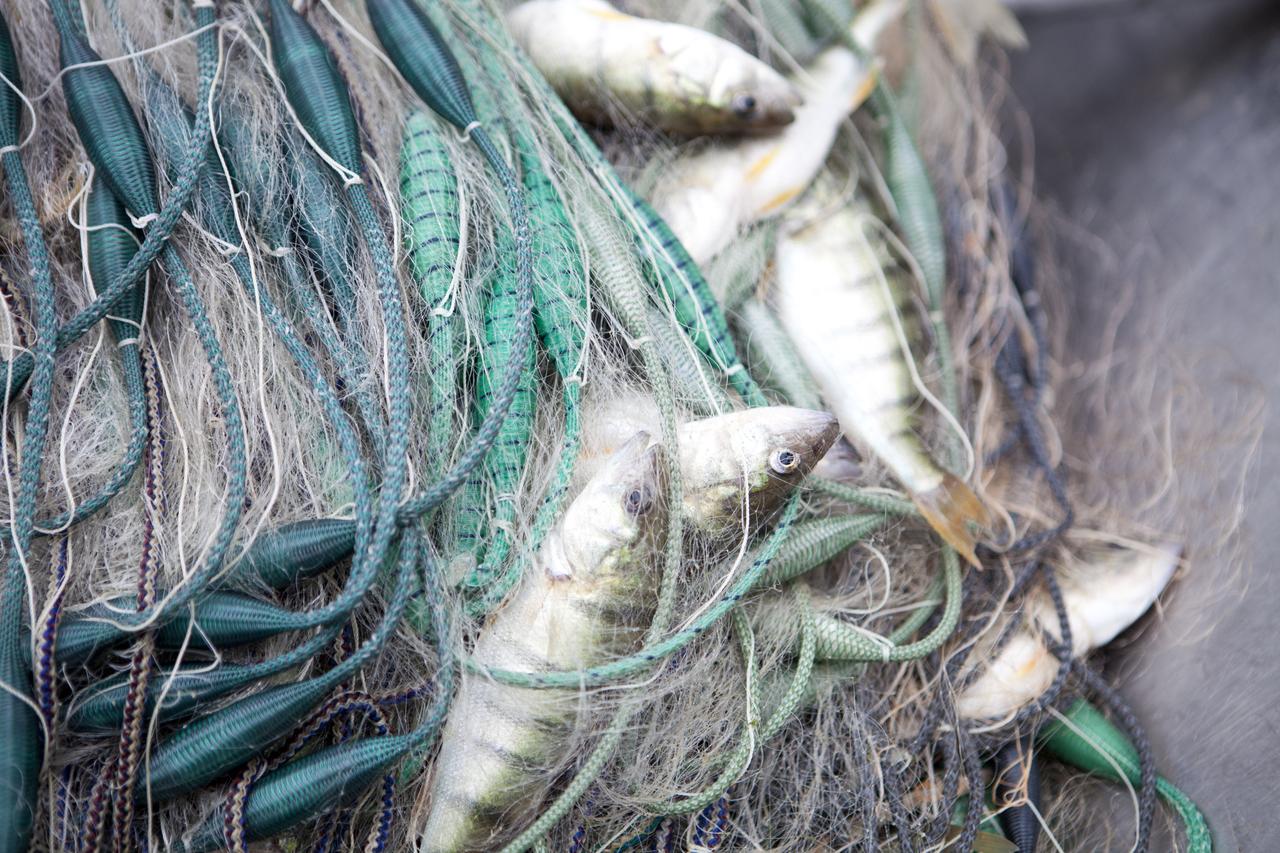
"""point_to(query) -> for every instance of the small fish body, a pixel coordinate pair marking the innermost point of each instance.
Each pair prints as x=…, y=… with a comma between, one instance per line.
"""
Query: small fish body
x=708, y=196
x=734, y=467
x=843, y=301
x=589, y=596
x=1104, y=591
x=680, y=79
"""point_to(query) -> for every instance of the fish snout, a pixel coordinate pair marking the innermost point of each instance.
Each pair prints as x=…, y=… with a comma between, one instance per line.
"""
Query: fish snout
x=767, y=105
x=814, y=432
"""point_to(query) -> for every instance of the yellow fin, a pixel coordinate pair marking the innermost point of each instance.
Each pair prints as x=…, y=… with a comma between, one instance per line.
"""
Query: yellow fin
x=950, y=509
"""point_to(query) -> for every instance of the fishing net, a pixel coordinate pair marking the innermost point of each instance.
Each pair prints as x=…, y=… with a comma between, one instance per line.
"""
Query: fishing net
x=793, y=683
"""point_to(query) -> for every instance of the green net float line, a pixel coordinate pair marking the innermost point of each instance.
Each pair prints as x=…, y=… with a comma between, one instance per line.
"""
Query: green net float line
x=1088, y=741
x=772, y=357
x=18, y=370
x=220, y=620
x=689, y=371
x=815, y=542
x=212, y=746
x=505, y=463
x=429, y=206
x=419, y=53
x=100, y=709
x=304, y=788
x=22, y=735
x=839, y=641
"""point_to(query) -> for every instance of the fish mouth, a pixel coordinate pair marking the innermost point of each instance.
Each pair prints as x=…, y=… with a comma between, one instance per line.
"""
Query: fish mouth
x=812, y=434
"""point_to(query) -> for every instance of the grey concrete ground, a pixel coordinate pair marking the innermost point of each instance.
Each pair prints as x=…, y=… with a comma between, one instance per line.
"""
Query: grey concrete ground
x=1157, y=129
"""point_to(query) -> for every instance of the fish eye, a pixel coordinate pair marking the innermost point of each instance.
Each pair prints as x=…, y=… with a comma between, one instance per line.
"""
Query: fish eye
x=784, y=461
x=638, y=501
x=744, y=106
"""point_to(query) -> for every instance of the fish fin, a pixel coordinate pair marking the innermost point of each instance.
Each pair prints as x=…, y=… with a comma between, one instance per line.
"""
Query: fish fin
x=950, y=508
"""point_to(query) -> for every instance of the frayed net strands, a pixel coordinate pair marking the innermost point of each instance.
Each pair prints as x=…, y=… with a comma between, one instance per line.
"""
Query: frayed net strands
x=453, y=465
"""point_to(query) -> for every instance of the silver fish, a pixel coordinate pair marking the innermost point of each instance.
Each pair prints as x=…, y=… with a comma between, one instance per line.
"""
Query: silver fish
x=588, y=596
x=680, y=79
x=734, y=467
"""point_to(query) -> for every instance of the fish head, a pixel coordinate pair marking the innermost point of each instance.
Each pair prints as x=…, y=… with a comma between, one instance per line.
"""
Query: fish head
x=611, y=531
x=757, y=100
x=744, y=463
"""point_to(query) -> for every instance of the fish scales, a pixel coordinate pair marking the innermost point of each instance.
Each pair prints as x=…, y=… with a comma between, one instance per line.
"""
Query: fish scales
x=844, y=302
x=586, y=597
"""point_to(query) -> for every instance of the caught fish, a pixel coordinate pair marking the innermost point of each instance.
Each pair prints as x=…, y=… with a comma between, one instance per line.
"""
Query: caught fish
x=677, y=78
x=1105, y=591
x=707, y=197
x=588, y=596
x=840, y=294
x=734, y=467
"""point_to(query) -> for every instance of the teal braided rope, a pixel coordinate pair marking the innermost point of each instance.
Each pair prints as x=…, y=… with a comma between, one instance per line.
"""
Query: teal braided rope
x=840, y=641
x=877, y=501
x=111, y=244
x=647, y=657
x=233, y=424
x=548, y=512
x=172, y=126
x=19, y=368
x=395, y=461
x=21, y=741
x=1199, y=838
x=740, y=757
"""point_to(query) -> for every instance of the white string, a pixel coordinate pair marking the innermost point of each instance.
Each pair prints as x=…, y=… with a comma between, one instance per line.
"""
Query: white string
x=136, y=54
x=466, y=131
x=349, y=178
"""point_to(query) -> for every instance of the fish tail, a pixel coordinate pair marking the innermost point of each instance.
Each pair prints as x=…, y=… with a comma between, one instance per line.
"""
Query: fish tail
x=950, y=508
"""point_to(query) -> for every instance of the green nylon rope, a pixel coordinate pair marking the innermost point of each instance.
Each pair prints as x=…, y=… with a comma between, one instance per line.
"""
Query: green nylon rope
x=22, y=743
x=19, y=369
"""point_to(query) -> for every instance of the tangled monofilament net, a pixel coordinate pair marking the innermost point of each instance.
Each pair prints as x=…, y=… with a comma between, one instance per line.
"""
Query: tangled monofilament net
x=862, y=756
